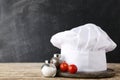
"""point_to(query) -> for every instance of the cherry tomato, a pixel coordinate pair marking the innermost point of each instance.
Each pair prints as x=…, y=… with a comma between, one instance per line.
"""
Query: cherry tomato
x=64, y=67
x=72, y=69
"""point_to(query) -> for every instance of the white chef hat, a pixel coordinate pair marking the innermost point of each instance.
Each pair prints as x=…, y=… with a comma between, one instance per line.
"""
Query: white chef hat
x=85, y=46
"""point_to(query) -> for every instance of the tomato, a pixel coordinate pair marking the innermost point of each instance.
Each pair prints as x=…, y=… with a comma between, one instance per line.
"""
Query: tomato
x=72, y=68
x=64, y=67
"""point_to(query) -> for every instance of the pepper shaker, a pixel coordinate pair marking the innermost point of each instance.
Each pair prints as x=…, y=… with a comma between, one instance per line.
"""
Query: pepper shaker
x=55, y=60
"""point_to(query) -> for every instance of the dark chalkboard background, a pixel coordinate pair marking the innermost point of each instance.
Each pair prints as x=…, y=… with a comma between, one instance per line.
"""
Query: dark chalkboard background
x=26, y=26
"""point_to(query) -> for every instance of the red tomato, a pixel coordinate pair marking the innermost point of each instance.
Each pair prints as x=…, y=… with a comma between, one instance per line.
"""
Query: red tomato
x=72, y=68
x=64, y=67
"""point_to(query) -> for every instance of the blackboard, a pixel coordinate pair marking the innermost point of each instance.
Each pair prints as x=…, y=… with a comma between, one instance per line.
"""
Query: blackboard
x=26, y=26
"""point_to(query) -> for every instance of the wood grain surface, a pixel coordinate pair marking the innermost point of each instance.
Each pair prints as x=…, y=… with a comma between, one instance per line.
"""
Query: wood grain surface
x=94, y=75
x=31, y=71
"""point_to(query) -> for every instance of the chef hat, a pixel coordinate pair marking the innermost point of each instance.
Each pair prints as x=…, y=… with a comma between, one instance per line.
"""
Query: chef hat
x=85, y=46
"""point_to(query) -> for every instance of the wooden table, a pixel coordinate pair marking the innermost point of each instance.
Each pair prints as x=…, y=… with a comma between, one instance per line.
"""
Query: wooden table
x=31, y=71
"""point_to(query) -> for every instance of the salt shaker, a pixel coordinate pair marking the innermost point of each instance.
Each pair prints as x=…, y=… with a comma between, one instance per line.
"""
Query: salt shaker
x=48, y=70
